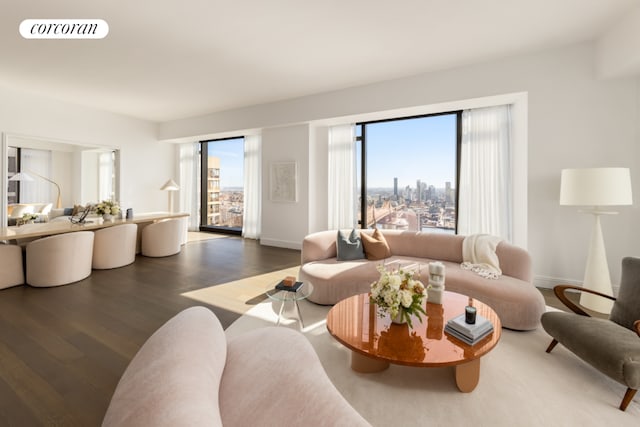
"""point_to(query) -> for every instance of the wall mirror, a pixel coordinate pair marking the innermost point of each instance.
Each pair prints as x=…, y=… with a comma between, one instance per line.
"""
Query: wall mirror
x=60, y=173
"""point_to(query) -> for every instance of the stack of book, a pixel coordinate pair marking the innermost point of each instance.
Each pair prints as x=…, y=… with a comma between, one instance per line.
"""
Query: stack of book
x=289, y=287
x=469, y=333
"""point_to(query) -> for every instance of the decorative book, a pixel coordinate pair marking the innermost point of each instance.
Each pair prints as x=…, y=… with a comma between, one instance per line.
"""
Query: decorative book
x=469, y=333
x=290, y=288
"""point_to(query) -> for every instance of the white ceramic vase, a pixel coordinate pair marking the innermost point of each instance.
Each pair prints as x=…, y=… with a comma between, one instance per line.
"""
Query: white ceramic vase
x=399, y=319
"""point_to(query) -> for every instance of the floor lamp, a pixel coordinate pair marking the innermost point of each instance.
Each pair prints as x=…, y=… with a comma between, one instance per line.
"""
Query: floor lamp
x=170, y=186
x=22, y=176
x=596, y=188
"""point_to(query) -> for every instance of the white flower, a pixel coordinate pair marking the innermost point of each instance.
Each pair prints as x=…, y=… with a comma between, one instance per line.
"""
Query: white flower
x=396, y=290
x=406, y=299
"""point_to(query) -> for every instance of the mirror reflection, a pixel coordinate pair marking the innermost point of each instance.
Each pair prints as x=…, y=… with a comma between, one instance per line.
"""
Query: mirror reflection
x=48, y=180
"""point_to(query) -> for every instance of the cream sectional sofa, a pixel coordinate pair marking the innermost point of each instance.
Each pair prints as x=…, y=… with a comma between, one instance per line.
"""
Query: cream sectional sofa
x=513, y=296
x=189, y=374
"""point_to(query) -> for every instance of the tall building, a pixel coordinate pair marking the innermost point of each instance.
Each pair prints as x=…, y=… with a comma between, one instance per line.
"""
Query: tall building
x=448, y=194
x=213, y=191
x=418, y=192
x=395, y=188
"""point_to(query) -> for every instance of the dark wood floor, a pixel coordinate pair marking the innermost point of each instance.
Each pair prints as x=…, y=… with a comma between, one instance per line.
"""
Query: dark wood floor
x=63, y=349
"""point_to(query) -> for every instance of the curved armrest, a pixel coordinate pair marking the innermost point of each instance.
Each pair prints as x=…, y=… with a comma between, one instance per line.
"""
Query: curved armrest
x=559, y=290
x=636, y=327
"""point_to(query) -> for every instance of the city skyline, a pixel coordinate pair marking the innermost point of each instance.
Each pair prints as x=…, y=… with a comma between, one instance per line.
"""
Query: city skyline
x=422, y=149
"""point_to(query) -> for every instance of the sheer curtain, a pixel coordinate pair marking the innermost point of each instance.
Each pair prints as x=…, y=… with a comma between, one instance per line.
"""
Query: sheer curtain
x=485, y=201
x=36, y=162
x=189, y=197
x=252, y=214
x=105, y=176
x=342, y=177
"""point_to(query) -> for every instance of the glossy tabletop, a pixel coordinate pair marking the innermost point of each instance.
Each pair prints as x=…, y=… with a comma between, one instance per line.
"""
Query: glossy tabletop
x=355, y=323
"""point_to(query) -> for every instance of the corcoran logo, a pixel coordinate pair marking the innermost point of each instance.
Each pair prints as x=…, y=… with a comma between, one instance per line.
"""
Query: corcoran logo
x=64, y=29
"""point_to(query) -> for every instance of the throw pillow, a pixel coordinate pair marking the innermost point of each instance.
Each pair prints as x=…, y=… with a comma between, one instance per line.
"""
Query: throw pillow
x=67, y=212
x=349, y=247
x=375, y=246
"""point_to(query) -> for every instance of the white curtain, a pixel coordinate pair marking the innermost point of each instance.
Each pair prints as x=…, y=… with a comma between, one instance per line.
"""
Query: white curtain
x=34, y=163
x=189, y=195
x=342, y=177
x=105, y=176
x=252, y=215
x=485, y=201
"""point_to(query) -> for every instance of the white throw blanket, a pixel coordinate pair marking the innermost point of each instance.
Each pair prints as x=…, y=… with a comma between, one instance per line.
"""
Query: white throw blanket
x=479, y=255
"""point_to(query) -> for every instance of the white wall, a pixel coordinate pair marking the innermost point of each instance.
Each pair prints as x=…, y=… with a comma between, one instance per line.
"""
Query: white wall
x=145, y=163
x=282, y=222
x=574, y=120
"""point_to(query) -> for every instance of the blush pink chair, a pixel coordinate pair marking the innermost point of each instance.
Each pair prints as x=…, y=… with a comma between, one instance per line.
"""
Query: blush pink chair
x=114, y=246
x=60, y=259
x=11, y=269
x=162, y=238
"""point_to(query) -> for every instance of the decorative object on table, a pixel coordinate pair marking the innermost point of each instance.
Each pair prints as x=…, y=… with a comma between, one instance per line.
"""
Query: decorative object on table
x=170, y=186
x=28, y=218
x=81, y=219
x=436, y=282
x=129, y=213
x=22, y=176
x=595, y=188
x=289, y=281
x=108, y=209
x=469, y=333
x=398, y=294
x=470, y=315
x=287, y=285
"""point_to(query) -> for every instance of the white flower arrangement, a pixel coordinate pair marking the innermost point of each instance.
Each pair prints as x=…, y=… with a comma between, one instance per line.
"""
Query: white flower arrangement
x=398, y=292
x=108, y=207
x=29, y=217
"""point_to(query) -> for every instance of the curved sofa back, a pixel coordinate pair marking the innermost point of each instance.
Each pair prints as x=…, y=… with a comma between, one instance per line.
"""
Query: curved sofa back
x=514, y=261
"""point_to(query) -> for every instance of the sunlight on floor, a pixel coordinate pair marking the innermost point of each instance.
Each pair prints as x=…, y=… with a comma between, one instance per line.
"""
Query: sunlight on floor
x=241, y=295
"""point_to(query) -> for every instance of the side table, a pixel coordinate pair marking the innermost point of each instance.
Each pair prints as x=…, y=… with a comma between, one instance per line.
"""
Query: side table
x=301, y=293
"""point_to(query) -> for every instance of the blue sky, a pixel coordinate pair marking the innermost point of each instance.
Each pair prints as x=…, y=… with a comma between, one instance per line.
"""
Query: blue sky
x=231, y=155
x=423, y=149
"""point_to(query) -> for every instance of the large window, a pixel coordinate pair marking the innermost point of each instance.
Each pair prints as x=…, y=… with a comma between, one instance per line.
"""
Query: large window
x=222, y=202
x=408, y=172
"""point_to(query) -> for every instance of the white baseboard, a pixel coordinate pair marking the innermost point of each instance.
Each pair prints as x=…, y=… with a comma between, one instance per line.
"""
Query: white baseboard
x=281, y=243
x=547, y=282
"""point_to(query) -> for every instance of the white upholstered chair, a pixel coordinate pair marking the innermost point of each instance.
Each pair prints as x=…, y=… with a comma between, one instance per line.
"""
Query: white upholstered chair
x=60, y=259
x=11, y=268
x=114, y=246
x=162, y=238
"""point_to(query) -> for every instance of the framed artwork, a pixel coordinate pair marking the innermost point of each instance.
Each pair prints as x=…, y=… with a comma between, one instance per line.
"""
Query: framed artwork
x=283, y=182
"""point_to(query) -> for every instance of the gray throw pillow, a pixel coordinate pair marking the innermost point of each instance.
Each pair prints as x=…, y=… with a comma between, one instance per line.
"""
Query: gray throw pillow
x=349, y=248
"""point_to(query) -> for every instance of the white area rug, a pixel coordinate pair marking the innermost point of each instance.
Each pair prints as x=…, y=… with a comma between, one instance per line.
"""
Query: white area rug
x=520, y=384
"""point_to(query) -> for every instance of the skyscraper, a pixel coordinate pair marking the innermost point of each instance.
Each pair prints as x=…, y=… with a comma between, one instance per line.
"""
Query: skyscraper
x=395, y=188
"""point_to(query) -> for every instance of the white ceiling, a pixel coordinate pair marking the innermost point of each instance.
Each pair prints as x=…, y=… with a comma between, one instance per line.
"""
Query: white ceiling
x=170, y=59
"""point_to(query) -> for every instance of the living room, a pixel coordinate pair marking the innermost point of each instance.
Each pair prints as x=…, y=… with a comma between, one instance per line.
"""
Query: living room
x=576, y=97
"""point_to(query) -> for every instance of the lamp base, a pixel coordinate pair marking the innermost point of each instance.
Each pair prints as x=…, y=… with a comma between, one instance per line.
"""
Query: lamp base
x=596, y=275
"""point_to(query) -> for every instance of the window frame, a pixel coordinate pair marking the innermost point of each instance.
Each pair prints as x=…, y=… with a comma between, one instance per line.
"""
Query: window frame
x=363, y=156
x=204, y=185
